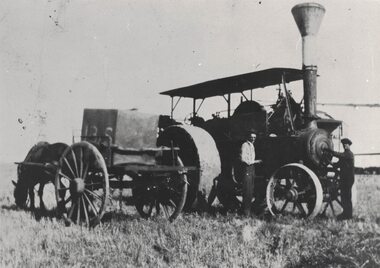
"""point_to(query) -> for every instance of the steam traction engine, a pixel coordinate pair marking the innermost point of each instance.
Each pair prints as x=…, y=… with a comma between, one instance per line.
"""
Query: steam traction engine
x=291, y=139
x=170, y=165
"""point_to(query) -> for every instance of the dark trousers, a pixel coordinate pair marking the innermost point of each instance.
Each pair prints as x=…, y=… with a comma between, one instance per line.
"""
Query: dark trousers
x=248, y=175
x=345, y=195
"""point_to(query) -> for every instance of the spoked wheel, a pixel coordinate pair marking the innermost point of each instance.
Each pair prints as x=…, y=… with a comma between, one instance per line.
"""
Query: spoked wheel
x=161, y=195
x=294, y=189
x=332, y=205
x=82, y=186
x=231, y=190
x=332, y=202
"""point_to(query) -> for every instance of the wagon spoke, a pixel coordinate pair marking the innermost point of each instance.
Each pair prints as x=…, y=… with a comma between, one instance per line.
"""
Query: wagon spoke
x=84, y=174
x=78, y=210
x=81, y=162
x=94, y=194
x=85, y=211
x=67, y=200
x=63, y=189
x=94, y=183
x=71, y=210
x=75, y=162
x=91, y=205
x=64, y=175
x=68, y=165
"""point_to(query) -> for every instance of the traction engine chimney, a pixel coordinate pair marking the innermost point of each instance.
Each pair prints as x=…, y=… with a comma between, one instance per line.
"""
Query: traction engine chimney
x=308, y=17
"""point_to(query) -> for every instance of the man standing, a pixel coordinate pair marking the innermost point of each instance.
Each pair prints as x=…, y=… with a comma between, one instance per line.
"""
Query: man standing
x=347, y=177
x=247, y=170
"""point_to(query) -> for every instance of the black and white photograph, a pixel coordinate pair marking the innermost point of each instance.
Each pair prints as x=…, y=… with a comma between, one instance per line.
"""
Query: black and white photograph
x=218, y=133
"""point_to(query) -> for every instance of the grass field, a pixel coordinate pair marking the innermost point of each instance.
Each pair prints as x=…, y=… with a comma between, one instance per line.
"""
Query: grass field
x=126, y=240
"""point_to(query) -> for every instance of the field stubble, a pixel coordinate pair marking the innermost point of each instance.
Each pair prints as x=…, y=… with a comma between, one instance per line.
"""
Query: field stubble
x=192, y=240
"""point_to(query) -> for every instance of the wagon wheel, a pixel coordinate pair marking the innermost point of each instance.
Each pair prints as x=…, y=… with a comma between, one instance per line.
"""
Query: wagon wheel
x=154, y=196
x=82, y=186
x=294, y=189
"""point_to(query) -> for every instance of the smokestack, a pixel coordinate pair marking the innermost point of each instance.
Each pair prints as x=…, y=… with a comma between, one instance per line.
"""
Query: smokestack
x=308, y=17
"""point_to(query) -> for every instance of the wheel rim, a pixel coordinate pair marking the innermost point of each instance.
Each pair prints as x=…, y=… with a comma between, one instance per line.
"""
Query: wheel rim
x=294, y=189
x=164, y=197
x=81, y=184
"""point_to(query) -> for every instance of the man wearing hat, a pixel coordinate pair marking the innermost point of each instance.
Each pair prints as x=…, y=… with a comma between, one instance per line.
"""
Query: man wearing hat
x=246, y=170
x=347, y=177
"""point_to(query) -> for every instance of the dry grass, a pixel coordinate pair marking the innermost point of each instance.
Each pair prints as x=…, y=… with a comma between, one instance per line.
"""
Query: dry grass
x=192, y=240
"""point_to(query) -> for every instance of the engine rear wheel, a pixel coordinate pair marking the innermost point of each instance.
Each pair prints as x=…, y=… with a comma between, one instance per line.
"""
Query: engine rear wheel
x=82, y=186
x=294, y=189
x=332, y=205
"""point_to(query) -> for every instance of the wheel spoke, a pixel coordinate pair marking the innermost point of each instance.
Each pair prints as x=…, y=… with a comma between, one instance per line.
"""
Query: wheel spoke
x=85, y=211
x=94, y=183
x=84, y=174
x=325, y=208
x=300, y=208
x=284, y=206
x=67, y=200
x=150, y=209
x=332, y=208
x=68, y=165
x=75, y=162
x=81, y=162
x=78, y=213
x=63, y=189
x=338, y=201
x=91, y=204
x=157, y=207
x=172, y=203
x=64, y=175
x=94, y=194
x=71, y=210
x=166, y=212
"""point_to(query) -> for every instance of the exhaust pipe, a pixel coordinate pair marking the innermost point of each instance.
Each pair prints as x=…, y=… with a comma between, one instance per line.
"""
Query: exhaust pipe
x=308, y=17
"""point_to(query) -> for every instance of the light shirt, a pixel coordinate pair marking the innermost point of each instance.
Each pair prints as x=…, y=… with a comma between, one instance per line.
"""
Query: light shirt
x=247, y=153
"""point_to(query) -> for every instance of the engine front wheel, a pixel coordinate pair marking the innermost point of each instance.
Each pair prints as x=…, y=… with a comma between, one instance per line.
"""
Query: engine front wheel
x=294, y=189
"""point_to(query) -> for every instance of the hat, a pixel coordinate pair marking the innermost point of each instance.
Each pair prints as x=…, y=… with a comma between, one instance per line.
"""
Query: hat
x=251, y=130
x=346, y=141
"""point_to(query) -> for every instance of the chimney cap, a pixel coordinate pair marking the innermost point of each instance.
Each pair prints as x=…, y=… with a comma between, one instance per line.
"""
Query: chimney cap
x=308, y=17
x=309, y=5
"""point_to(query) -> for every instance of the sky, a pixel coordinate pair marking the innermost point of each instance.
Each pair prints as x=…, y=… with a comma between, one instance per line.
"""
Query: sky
x=58, y=57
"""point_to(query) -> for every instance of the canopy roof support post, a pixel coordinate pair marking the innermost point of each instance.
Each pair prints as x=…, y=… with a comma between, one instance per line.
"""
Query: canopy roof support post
x=229, y=105
x=245, y=97
x=194, y=106
x=200, y=105
x=171, y=107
